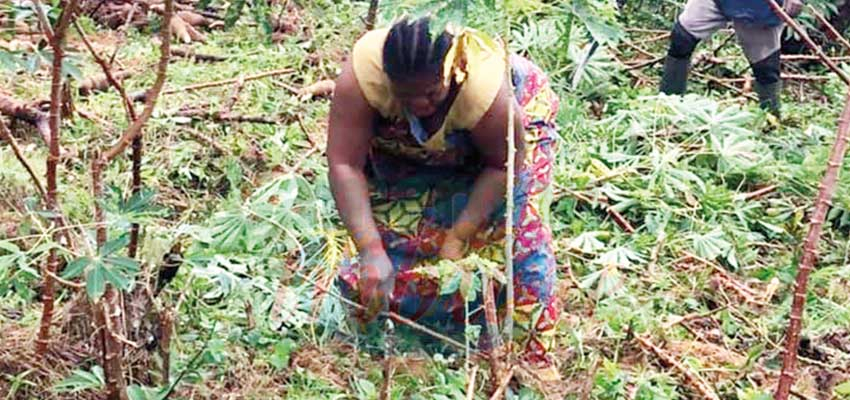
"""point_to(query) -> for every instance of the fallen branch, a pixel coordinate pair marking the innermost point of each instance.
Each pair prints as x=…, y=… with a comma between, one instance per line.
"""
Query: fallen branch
x=319, y=89
x=190, y=54
x=779, y=11
x=807, y=262
x=199, y=86
x=227, y=107
x=228, y=117
x=726, y=85
x=756, y=194
x=618, y=218
x=692, y=379
x=809, y=57
x=17, y=109
x=787, y=77
x=99, y=84
x=209, y=140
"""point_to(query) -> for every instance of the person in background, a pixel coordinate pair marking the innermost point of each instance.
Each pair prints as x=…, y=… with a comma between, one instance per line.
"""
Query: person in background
x=417, y=152
x=758, y=29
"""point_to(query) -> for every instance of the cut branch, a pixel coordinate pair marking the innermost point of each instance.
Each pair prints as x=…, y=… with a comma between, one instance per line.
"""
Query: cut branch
x=691, y=379
x=17, y=109
x=809, y=257
x=190, y=54
x=143, y=96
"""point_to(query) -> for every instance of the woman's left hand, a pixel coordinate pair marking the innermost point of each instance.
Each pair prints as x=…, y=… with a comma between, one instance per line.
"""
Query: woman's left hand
x=453, y=247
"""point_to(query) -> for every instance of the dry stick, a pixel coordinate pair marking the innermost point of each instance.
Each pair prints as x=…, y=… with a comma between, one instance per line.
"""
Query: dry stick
x=509, y=202
x=7, y=136
x=56, y=43
x=500, y=390
x=190, y=54
x=756, y=194
x=227, y=107
x=695, y=381
x=832, y=31
x=807, y=262
x=470, y=387
x=142, y=96
x=777, y=9
x=492, y=327
x=788, y=77
x=372, y=15
x=725, y=84
x=809, y=57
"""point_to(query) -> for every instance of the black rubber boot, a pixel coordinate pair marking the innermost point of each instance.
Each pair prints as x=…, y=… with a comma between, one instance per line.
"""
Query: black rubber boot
x=675, y=78
x=769, y=96
x=677, y=64
x=768, y=84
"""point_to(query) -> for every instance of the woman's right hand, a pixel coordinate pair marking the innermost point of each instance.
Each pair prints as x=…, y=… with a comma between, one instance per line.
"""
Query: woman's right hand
x=377, y=280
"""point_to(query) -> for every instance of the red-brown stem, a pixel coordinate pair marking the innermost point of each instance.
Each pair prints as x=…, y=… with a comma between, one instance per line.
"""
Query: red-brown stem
x=131, y=117
x=135, y=128
x=109, y=312
x=56, y=43
x=133, y=246
x=779, y=11
x=809, y=257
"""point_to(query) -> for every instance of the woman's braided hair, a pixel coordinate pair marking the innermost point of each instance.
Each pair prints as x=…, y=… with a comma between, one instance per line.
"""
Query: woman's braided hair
x=410, y=51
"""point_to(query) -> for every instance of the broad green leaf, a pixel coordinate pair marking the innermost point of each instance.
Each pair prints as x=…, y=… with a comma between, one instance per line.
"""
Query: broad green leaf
x=114, y=276
x=114, y=245
x=843, y=389
x=127, y=265
x=96, y=281
x=75, y=268
x=81, y=380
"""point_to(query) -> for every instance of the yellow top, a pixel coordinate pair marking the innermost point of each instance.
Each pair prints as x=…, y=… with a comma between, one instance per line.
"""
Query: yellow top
x=476, y=61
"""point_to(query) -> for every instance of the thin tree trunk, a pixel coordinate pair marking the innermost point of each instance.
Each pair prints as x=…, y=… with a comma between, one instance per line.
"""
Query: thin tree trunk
x=807, y=262
x=108, y=312
x=57, y=40
x=136, y=189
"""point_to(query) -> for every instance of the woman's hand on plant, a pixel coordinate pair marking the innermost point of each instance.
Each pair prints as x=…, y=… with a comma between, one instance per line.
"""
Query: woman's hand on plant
x=377, y=281
x=453, y=247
